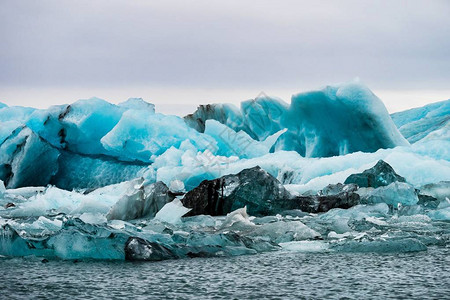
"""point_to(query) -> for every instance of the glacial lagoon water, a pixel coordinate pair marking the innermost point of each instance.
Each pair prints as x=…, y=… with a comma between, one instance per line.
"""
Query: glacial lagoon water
x=274, y=275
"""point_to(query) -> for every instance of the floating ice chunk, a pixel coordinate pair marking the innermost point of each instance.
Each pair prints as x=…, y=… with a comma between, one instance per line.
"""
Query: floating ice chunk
x=26, y=192
x=74, y=240
x=282, y=231
x=357, y=212
x=254, y=188
x=305, y=246
x=440, y=214
x=335, y=235
x=86, y=241
x=376, y=221
x=200, y=221
x=347, y=107
x=142, y=201
x=55, y=200
x=340, y=225
x=237, y=216
x=11, y=244
x=394, y=194
x=414, y=219
x=380, y=246
x=172, y=212
x=440, y=190
x=41, y=226
x=128, y=207
x=93, y=218
x=139, y=249
x=119, y=224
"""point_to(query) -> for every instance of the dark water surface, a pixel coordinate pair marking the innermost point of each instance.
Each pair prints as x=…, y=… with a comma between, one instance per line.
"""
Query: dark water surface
x=276, y=275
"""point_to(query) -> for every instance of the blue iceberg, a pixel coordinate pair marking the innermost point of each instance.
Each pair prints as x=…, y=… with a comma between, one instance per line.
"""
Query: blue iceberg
x=331, y=171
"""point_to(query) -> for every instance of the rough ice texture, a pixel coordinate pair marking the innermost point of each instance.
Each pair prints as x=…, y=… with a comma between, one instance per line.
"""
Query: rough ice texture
x=27, y=160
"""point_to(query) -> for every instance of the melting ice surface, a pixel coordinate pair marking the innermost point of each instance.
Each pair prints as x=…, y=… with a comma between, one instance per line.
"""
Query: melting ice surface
x=93, y=180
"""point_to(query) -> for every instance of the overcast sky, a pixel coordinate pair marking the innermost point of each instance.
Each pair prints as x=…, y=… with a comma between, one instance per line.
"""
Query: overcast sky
x=178, y=54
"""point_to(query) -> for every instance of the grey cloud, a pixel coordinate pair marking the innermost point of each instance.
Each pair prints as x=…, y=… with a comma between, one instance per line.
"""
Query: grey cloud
x=224, y=43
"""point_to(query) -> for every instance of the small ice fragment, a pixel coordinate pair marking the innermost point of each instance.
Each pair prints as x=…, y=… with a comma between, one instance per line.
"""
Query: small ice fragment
x=172, y=212
x=305, y=246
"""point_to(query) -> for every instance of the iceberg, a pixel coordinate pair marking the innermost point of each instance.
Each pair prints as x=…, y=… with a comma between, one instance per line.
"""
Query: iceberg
x=253, y=188
x=424, y=123
x=329, y=172
x=381, y=174
x=172, y=212
x=93, y=143
x=333, y=121
x=394, y=194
